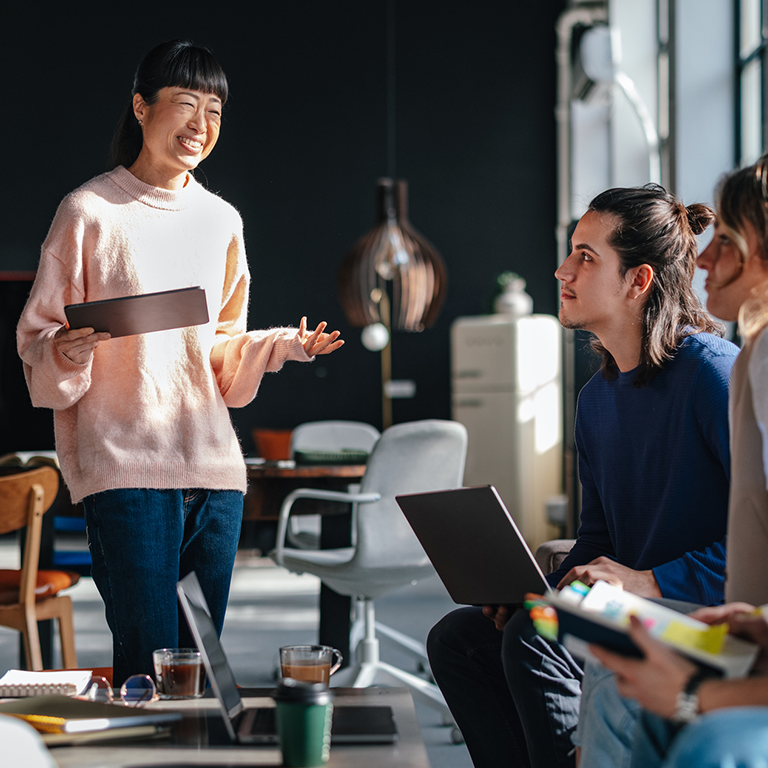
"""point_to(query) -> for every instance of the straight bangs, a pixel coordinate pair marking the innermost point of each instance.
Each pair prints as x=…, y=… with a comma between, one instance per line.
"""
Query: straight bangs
x=196, y=68
x=176, y=63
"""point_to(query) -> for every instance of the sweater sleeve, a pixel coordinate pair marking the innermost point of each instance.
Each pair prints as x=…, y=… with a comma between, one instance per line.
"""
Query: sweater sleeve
x=699, y=575
x=241, y=361
x=758, y=378
x=54, y=381
x=240, y=358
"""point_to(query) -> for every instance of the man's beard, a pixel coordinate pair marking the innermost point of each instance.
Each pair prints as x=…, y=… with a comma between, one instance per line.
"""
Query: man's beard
x=570, y=325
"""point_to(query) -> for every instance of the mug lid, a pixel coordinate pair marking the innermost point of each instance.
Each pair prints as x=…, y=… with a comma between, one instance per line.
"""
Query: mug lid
x=303, y=692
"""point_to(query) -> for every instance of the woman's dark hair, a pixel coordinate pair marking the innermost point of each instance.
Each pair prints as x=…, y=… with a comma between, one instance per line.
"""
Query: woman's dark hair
x=655, y=228
x=177, y=63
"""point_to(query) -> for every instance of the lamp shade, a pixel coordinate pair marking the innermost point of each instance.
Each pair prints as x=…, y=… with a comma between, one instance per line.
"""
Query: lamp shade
x=393, y=253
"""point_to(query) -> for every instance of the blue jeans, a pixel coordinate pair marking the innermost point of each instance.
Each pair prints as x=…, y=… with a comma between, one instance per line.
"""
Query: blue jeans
x=607, y=721
x=736, y=737
x=142, y=541
x=513, y=694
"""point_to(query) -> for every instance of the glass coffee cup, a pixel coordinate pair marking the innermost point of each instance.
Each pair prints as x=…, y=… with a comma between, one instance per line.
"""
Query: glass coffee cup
x=309, y=663
x=179, y=673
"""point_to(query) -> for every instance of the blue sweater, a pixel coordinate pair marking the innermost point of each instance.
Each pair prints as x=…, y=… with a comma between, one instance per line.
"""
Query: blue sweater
x=654, y=466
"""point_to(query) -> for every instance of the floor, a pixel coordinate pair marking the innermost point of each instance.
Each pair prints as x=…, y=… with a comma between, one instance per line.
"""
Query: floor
x=269, y=607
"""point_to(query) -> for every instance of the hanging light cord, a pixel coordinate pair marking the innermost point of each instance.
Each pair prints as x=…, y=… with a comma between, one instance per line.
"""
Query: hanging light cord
x=391, y=166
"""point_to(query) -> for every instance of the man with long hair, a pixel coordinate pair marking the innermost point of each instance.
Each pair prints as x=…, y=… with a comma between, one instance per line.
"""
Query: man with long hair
x=652, y=436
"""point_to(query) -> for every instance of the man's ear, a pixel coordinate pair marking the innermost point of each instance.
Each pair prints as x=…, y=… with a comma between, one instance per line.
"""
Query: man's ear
x=641, y=280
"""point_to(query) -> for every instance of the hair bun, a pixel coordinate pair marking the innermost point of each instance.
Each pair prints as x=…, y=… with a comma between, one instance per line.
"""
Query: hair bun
x=700, y=216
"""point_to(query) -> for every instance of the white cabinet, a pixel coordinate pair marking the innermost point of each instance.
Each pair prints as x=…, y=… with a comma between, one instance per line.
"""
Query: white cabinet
x=507, y=393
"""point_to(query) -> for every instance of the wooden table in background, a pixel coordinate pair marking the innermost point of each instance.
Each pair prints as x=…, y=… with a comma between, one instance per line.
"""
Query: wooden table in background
x=269, y=484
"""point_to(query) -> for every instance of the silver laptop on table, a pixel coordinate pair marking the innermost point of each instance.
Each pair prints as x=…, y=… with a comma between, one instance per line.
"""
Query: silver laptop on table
x=256, y=725
x=474, y=545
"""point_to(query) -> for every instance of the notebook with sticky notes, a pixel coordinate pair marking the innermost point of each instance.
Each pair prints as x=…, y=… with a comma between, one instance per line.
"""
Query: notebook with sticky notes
x=600, y=615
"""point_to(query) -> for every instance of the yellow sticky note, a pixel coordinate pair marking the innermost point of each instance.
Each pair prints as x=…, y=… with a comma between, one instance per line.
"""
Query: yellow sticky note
x=682, y=635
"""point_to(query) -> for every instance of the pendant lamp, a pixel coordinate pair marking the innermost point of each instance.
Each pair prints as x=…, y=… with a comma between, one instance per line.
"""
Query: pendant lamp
x=393, y=259
x=393, y=278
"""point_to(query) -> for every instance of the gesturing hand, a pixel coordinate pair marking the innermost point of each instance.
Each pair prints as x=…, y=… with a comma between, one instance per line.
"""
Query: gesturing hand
x=318, y=342
x=77, y=344
x=641, y=583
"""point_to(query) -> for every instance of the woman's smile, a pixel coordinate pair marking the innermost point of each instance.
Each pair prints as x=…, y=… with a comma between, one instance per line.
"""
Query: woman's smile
x=180, y=129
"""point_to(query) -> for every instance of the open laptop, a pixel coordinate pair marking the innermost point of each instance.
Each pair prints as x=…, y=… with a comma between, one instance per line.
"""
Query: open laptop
x=256, y=725
x=474, y=544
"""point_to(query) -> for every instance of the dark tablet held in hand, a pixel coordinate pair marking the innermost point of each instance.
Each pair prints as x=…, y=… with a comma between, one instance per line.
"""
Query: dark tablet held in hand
x=129, y=315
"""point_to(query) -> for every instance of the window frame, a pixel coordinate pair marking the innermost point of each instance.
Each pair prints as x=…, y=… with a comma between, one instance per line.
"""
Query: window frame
x=745, y=59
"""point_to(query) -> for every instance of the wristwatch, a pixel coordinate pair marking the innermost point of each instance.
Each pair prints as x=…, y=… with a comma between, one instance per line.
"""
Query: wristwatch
x=687, y=701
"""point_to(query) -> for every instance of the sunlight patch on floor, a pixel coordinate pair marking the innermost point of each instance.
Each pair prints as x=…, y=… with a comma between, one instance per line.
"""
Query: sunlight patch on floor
x=271, y=580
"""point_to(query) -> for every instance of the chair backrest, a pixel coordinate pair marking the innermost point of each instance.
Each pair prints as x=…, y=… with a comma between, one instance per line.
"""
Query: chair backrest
x=24, y=498
x=333, y=436
x=408, y=458
x=14, y=495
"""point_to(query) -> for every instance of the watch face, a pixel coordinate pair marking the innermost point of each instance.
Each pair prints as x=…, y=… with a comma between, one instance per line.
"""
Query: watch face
x=686, y=707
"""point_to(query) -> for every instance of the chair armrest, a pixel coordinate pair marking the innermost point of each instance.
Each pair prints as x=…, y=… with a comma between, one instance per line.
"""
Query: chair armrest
x=313, y=493
x=551, y=554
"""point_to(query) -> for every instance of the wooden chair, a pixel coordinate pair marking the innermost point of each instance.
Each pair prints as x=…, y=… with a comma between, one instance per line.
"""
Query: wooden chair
x=28, y=595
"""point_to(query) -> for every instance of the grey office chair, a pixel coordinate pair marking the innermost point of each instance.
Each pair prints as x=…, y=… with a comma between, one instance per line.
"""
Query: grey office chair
x=325, y=437
x=408, y=458
x=333, y=436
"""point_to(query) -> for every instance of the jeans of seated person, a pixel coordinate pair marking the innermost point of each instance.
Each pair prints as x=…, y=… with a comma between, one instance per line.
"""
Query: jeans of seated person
x=652, y=739
x=726, y=738
x=142, y=541
x=607, y=721
x=513, y=694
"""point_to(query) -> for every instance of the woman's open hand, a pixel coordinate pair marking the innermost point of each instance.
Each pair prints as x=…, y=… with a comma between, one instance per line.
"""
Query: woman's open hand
x=318, y=342
x=77, y=344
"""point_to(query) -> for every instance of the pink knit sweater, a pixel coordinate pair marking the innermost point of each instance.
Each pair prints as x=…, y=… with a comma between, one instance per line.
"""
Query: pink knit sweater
x=148, y=411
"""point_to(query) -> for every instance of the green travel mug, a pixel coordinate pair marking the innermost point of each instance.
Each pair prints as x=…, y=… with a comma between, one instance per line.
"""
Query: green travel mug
x=303, y=714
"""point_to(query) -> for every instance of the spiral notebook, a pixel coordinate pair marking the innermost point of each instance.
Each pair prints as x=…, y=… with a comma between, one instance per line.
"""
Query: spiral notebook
x=16, y=683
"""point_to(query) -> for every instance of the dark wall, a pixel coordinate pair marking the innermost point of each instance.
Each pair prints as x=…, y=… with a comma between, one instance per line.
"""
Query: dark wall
x=302, y=144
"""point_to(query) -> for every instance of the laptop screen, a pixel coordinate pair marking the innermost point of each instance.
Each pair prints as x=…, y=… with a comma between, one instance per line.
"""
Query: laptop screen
x=200, y=623
x=474, y=544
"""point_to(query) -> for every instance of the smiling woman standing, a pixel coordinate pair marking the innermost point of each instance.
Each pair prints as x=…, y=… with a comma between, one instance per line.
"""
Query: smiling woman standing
x=143, y=433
